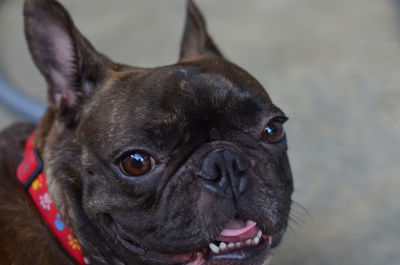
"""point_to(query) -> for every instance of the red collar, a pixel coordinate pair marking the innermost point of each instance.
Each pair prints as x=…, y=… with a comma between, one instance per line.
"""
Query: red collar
x=33, y=179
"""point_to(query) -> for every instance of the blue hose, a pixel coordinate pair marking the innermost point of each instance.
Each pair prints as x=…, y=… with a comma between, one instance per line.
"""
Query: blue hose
x=19, y=102
x=397, y=6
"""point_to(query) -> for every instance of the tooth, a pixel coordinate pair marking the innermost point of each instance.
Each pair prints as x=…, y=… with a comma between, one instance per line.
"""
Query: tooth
x=256, y=240
x=231, y=245
x=239, y=244
x=269, y=240
x=222, y=246
x=214, y=248
x=248, y=242
x=259, y=235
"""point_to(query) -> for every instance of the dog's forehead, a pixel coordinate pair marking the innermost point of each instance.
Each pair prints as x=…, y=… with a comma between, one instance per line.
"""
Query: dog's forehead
x=212, y=81
x=193, y=95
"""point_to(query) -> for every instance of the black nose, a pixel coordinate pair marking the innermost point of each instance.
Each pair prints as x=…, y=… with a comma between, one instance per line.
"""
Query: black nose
x=223, y=170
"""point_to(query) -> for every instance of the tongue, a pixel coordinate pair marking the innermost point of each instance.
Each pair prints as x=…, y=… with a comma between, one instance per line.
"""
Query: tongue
x=238, y=230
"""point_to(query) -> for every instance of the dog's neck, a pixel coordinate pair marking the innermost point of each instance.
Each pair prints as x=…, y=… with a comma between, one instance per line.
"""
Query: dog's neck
x=44, y=135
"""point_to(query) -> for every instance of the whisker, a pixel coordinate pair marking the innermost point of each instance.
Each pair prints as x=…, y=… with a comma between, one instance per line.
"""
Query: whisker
x=292, y=230
x=302, y=209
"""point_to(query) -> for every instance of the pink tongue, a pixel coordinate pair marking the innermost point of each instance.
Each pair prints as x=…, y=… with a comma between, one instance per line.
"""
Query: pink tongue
x=238, y=230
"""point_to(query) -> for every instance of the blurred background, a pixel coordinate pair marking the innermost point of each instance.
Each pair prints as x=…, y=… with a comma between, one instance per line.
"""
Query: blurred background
x=332, y=66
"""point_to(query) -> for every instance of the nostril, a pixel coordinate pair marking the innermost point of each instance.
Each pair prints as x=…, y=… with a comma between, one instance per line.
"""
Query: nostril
x=211, y=167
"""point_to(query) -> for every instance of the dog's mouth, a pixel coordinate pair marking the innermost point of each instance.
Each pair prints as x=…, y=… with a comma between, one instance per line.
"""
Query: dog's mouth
x=239, y=240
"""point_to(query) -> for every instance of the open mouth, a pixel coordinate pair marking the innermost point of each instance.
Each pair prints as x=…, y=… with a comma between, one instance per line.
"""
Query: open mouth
x=239, y=240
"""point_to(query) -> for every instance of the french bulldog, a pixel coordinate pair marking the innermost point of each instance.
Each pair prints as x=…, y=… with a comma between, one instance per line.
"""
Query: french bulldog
x=178, y=164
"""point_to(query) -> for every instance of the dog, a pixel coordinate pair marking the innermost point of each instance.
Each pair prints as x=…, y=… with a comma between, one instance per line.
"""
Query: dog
x=179, y=164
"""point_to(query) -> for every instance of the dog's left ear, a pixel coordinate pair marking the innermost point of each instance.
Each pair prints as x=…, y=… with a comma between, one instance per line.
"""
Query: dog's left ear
x=69, y=63
x=196, y=42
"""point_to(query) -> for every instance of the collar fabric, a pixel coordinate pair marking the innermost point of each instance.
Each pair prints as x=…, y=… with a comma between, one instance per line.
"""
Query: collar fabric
x=33, y=179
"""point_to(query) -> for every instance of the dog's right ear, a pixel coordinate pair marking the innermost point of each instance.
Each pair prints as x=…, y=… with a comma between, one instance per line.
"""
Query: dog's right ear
x=69, y=63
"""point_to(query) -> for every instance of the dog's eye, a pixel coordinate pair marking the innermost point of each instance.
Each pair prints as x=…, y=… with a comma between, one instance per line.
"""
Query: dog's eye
x=136, y=164
x=274, y=132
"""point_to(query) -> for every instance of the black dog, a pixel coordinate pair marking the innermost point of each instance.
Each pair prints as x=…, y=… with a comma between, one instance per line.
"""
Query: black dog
x=180, y=164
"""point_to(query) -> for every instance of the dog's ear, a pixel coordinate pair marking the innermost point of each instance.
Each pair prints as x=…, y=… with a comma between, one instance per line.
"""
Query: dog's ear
x=69, y=63
x=196, y=42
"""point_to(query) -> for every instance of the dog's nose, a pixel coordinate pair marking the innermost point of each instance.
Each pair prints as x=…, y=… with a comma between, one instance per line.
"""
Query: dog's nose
x=224, y=171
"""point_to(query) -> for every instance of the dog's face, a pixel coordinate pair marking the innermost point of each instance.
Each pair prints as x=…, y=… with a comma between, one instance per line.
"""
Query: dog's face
x=182, y=164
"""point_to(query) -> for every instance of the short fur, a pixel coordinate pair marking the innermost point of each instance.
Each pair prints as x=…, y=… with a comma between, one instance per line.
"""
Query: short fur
x=100, y=110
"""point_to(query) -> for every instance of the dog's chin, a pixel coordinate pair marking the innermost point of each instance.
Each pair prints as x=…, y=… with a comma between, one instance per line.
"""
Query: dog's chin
x=249, y=252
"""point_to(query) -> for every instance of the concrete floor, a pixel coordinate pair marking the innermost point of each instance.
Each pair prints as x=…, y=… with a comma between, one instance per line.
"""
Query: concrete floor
x=332, y=66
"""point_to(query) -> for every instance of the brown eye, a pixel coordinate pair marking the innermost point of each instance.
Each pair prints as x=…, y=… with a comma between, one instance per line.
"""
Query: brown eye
x=273, y=132
x=136, y=164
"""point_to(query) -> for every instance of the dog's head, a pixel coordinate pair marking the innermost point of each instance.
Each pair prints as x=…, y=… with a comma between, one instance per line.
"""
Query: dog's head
x=180, y=164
